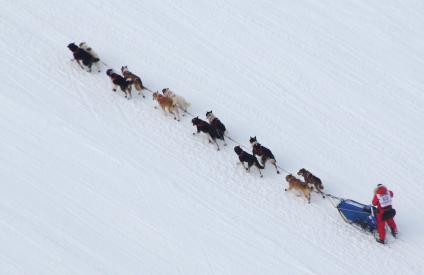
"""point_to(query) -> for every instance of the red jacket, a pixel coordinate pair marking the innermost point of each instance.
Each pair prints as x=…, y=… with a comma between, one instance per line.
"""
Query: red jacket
x=382, y=197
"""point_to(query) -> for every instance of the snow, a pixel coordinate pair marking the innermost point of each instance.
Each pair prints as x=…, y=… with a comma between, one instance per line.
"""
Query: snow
x=95, y=184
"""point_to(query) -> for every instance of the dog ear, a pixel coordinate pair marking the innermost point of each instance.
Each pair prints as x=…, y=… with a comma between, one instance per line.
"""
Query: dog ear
x=72, y=46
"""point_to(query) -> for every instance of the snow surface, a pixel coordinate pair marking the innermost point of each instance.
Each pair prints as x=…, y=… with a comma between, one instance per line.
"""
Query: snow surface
x=95, y=184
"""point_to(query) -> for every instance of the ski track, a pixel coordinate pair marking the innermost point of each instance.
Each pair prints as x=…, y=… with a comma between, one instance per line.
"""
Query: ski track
x=94, y=183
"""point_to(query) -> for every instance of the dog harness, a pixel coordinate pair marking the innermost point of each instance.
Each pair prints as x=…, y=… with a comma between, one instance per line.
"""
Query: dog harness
x=114, y=76
x=258, y=149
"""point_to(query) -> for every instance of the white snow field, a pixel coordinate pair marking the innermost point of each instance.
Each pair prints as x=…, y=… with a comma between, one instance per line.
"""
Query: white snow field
x=93, y=183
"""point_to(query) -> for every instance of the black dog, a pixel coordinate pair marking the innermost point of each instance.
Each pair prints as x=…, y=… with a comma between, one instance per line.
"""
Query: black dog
x=313, y=180
x=203, y=126
x=117, y=80
x=217, y=125
x=263, y=152
x=81, y=55
x=250, y=159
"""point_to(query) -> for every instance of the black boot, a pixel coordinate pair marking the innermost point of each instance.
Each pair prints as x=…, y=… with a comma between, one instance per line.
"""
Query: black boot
x=380, y=241
x=394, y=233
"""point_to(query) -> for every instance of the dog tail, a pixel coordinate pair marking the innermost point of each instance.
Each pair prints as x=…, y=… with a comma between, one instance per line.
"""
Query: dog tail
x=138, y=84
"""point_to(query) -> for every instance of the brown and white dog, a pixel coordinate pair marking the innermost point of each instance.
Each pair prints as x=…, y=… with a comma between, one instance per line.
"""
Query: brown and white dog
x=138, y=85
x=312, y=180
x=118, y=80
x=166, y=104
x=297, y=184
x=178, y=101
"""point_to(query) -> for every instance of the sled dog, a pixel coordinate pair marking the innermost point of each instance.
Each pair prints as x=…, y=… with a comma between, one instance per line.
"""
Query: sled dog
x=96, y=59
x=178, y=100
x=166, y=104
x=297, y=184
x=263, y=152
x=118, y=80
x=250, y=159
x=312, y=180
x=81, y=56
x=217, y=125
x=203, y=126
x=138, y=85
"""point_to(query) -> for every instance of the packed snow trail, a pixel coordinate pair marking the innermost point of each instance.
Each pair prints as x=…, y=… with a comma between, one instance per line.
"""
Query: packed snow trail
x=96, y=184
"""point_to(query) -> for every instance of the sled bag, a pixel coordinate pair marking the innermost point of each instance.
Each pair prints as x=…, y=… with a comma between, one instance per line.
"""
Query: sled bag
x=358, y=213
